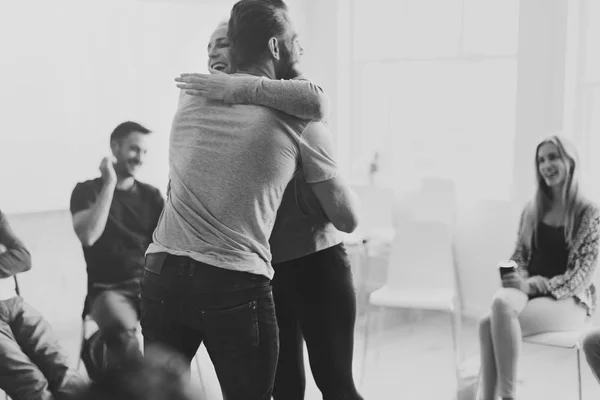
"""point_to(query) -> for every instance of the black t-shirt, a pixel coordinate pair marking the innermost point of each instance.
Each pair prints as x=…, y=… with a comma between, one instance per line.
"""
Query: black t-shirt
x=549, y=258
x=118, y=255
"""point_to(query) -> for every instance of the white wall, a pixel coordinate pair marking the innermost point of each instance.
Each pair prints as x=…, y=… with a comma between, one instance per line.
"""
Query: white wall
x=72, y=70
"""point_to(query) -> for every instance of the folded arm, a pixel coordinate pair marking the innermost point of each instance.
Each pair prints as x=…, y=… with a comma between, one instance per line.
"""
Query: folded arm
x=16, y=258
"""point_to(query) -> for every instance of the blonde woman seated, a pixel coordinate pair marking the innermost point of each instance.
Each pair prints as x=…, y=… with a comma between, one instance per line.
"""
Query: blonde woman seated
x=556, y=254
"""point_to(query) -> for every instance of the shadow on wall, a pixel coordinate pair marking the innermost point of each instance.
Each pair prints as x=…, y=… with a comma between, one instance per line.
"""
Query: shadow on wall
x=56, y=283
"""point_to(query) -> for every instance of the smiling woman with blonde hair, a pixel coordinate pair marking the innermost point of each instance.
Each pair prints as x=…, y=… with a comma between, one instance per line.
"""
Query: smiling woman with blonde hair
x=556, y=254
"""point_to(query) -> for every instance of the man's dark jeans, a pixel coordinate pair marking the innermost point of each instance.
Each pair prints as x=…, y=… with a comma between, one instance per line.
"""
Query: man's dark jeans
x=33, y=365
x=185, y=302
x=116, y=308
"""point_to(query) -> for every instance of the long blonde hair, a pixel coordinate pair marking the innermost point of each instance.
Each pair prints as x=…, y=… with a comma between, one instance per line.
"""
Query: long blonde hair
x=543, y=199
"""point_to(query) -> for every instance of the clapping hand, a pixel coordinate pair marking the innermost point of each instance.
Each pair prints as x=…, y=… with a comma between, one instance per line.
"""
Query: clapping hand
x=107, y=169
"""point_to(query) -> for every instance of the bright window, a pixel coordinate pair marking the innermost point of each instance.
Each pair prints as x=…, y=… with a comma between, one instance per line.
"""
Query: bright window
x=437, y=98
x=587, y=88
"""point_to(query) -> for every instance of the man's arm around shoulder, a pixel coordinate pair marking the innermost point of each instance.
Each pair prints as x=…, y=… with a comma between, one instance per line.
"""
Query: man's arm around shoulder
x=337, y=199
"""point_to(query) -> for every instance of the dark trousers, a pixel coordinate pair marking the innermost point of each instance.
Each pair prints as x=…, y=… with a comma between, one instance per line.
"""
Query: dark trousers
x=185, y=303
x=116, y=308
x=315, y=301
x=33, y=365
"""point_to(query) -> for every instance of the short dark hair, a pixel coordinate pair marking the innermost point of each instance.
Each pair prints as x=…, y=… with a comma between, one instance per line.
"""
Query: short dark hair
x=161, y=374
x=251, y=24
x=126, y=128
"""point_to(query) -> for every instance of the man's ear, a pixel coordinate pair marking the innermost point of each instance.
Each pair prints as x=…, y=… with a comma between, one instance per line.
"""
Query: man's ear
x=114, y=146
x=274, y=48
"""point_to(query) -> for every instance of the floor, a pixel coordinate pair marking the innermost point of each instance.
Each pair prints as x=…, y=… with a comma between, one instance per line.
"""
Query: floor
x=410, y=359
x=413, y=360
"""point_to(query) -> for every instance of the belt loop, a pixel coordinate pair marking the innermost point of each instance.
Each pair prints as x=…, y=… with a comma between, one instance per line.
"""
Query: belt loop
x=181, y=269
x=192, y=269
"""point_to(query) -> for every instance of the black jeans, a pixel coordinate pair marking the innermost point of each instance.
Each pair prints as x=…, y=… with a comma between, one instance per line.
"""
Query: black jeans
x=315, y=300
x=116, y=309
x=185, y=302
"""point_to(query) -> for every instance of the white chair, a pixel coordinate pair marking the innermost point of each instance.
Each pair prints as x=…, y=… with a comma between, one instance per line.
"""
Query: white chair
x=563, y=340
x=435, y=201
x=421, y=276
x=376, y=229
x=376, y=214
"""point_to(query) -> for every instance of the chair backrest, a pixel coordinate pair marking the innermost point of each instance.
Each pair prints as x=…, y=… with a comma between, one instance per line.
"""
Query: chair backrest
x=422, y=257
x=376, y=211
x=422, y=254
x=435, y=201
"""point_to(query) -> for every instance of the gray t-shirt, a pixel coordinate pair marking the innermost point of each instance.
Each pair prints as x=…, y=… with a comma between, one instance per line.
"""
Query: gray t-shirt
x=229, y=167
x=302, y=227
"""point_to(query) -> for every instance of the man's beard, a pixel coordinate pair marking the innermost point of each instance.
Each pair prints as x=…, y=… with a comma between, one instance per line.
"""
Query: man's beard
x=290, y=72
x=288, y=67
x=122, y=169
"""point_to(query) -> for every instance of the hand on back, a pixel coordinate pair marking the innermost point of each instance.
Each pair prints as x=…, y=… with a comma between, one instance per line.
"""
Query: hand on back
x=212, y=86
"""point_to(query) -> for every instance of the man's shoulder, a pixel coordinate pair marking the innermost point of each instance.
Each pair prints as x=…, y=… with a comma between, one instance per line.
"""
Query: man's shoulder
x=89, y=185
x=148, y=188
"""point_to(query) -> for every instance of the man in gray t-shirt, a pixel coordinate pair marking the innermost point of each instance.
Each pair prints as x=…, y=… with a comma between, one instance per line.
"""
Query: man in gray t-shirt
x=312, y=287
x=208, y=270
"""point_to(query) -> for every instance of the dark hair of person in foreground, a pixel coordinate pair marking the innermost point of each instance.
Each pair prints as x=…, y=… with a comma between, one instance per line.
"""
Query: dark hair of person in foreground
x=162, y=375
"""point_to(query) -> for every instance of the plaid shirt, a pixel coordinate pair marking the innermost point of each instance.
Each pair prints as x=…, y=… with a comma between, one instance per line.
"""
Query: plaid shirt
x=577, y=282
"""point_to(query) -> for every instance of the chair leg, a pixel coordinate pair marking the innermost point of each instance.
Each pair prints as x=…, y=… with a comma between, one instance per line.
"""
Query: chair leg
x=455, y=340
x=83, y=332
x=380, y=323
x=366, y=343
x=364, y=273
x=579, y=373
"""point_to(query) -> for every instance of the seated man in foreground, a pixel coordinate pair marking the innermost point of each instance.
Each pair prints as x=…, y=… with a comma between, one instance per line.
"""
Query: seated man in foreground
x=33, y=365
x=160, y=376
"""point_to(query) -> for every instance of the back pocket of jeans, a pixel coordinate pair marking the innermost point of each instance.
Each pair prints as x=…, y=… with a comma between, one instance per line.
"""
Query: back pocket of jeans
x=231, y=330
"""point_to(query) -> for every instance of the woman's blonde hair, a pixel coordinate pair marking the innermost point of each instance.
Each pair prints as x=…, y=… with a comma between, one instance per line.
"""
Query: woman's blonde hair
x=543, y=199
